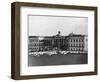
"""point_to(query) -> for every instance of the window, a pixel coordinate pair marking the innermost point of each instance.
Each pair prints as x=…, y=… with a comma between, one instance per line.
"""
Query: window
x=76, y=40
x=71, y=45
x=71, y=40
x=77, y=45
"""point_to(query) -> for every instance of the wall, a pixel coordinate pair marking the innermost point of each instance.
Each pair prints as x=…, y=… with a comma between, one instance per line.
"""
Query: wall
x=5, y=40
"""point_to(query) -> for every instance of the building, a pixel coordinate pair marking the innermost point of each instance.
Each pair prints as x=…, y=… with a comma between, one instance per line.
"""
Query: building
x=86, y=43
x=72, y=42
x=33, y=44
x=75, y=42
x=59, y=42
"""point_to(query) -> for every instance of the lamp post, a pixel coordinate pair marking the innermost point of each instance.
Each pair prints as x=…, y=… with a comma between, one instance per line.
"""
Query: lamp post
x=58, y=42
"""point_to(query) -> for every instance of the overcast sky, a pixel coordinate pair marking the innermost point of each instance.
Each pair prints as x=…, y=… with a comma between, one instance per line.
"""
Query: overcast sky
x=50, y=25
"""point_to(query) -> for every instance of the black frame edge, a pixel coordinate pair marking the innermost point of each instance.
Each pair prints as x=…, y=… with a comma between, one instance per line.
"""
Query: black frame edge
x=13, y=40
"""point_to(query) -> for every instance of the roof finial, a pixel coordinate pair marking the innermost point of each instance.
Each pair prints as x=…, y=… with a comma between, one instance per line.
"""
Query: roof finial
x=59, y=32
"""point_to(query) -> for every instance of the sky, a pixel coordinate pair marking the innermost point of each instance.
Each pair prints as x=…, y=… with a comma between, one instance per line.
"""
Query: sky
x=50, y=25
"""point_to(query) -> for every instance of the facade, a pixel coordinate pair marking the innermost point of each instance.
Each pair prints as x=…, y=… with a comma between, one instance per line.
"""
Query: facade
x=33, y=44
x=75, y=42
x=72, y=42
x=86, y=43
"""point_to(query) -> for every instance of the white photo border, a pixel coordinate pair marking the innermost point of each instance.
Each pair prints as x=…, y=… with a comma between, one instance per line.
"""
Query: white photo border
x=35, y=70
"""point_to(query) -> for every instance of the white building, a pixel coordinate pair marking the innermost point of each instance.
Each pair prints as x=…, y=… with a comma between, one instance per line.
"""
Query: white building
x=86, y=43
